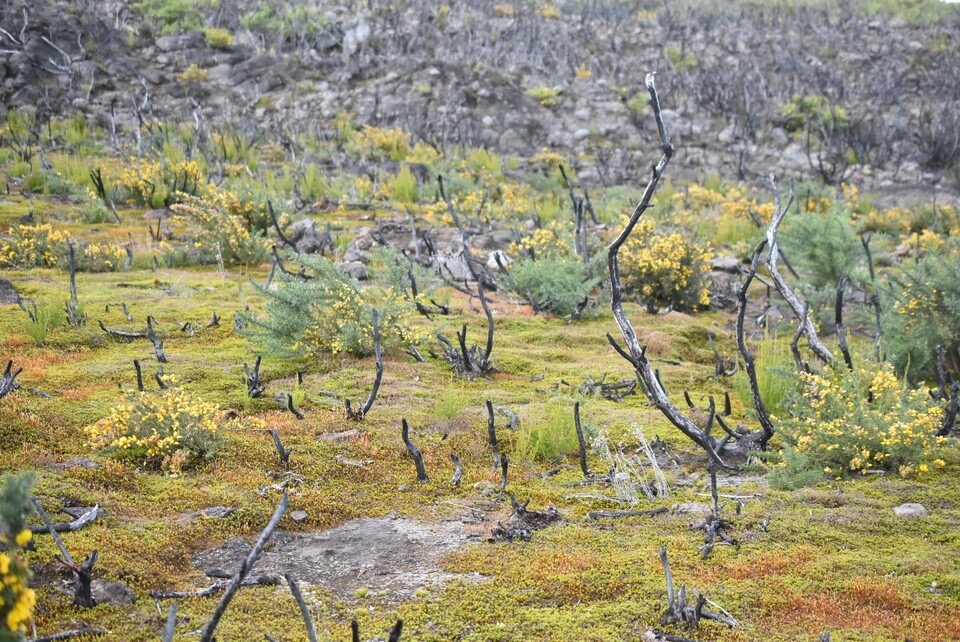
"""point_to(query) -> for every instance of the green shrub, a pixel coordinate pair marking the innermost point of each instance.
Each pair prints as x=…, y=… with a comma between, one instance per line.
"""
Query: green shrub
x=546, y=435
x=218, y=38
x=16, y=599
x=46, y=317
x=812, y=112
x=226, y=236
x=329, y=313
x=776, y=375
x=921, y=306
x=848, y=422
x=557, y=284
x=822, y=244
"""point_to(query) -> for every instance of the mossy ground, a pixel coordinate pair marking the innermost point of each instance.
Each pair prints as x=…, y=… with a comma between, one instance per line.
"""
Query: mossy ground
x=831, y=558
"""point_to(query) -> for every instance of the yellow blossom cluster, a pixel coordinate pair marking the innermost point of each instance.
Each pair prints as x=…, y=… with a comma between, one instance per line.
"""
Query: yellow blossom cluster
x=16, y=599
x=226, y=235
x=393, y=144
x=101, y=257
x=150, y=426
x=553, y=240
x=665, y=269
x=153, y=183
x=26, y=246
x=862, y=420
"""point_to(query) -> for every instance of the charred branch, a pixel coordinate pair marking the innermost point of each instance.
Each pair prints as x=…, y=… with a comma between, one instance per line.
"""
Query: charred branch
x=415, y=453
x=244, y=570
x=616, y=514
x=304, y=612
x=841, y=331
x=66, y=635
x=83, y=573
x=80, y=522
x=492, y=436
x=581, y=441
x=378, y=355
x=635, y=354
x=254, y=387
x=282, y=453
x=799, y=309
x=8, y=381
x=155, y=340
x=296, y=413
x=766, y=424
x=457, y=469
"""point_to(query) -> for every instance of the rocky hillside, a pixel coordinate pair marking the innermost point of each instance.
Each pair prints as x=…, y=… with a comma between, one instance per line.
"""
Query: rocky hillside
x=802, y=89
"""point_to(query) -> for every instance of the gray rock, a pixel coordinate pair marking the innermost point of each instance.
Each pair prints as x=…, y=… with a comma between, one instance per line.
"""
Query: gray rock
x=115, y=593
x=218, y=511
x=309, y=239
x=911, y=509
x=78, y=462
x=299, y=515
x=356, y=269
x=726, y=263
x=690, y=507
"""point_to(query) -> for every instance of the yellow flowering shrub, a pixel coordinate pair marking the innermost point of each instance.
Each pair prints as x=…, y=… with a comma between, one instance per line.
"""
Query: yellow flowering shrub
x=16, y=599
x=393, y=144
x=152, y=183
x=101, y=257
x=28, y=246
x=166, y=429
x=862, y=420
x=555, y=239
x=227, y=236
x=665, y=269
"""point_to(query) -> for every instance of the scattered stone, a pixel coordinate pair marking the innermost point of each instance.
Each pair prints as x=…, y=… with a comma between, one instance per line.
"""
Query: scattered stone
x=404, y=488
x=8, y=295
x=911, y=509
x=339, y=436
x=355, y=269
x=299, y=515
x=115, y=593
x=78, y=462
x=726, y=263
x=218, y=512
x=690, y=507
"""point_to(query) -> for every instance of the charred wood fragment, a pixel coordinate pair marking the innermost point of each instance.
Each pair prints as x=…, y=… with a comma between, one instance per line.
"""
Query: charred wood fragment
x=254, y=387
x=581, y=441
x=457, y=469
x=296, y=413
x=415, y=453
x=359, y=414
x=492, y=436
x=8, y=381
x=282, y=453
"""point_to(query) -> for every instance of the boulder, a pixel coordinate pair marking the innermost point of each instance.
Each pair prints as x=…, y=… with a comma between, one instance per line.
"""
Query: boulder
x=911, y=509
x=115, y=593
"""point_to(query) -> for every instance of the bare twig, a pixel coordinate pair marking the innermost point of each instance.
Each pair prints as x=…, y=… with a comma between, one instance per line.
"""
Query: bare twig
x=304, y=612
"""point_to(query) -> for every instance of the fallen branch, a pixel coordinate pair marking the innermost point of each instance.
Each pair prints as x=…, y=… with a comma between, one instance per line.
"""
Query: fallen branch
x=614, y=514
x=216, y=587
x=82, y=573
x=68, y=527
x=65, y=635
